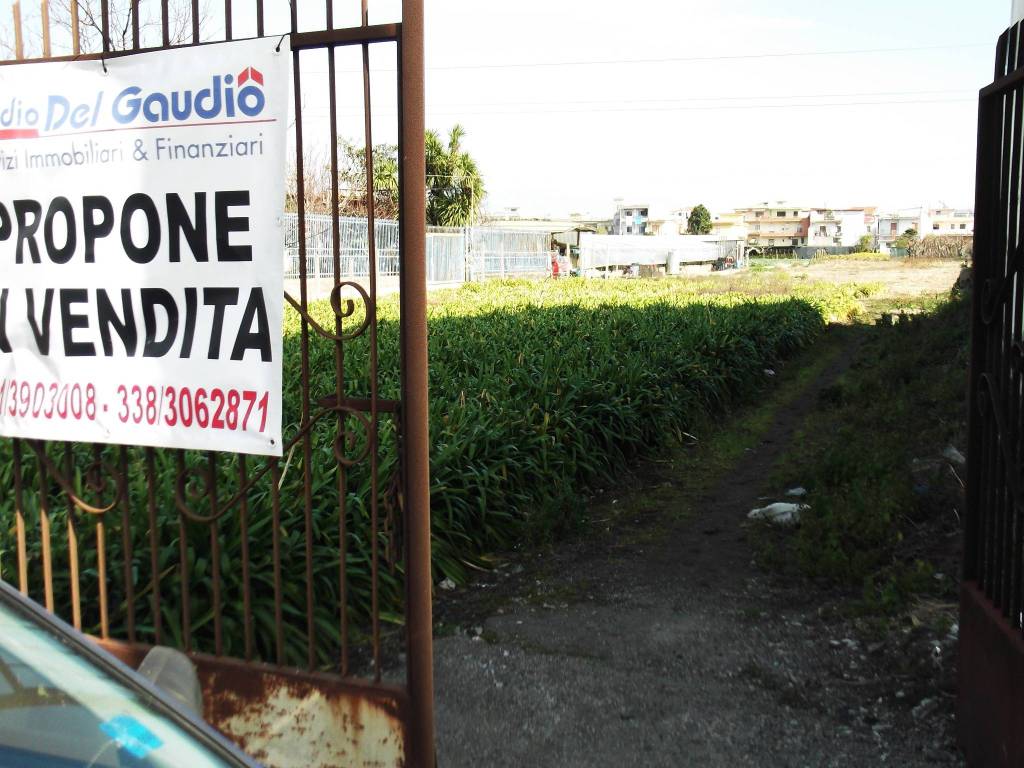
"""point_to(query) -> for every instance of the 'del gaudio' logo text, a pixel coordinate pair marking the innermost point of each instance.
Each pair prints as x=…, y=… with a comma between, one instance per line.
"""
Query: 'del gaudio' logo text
x=227, y=97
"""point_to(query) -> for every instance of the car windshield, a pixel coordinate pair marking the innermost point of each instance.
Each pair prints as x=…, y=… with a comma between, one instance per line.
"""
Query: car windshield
x=60, y=708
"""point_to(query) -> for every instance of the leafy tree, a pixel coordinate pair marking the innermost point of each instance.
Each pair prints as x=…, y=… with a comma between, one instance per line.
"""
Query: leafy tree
x=907, y=240
x=455, y=188
x=866, y=244
x=699, y=221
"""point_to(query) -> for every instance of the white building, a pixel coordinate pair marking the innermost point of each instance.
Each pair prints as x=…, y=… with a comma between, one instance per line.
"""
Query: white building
x=729, y=226
x=828, y=228
x=893, y=224
x=946, y=221
x=630, y=218
x=925, y=221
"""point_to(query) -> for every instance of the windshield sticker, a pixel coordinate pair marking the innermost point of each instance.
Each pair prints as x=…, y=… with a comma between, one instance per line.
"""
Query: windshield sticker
x=131, y=735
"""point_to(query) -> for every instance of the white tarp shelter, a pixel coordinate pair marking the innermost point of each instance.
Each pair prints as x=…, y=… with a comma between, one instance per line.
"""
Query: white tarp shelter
x=605, y=252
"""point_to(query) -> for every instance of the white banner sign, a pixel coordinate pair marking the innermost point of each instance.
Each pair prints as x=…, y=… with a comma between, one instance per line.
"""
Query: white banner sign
x=141, y=267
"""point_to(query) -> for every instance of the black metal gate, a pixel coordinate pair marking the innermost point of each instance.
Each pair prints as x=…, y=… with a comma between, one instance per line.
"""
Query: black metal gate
x=991, y=706
x=301, y=587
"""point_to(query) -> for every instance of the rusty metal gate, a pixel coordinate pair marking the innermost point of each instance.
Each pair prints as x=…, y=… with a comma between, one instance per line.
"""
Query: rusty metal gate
x=991, y=703
x=300, y=587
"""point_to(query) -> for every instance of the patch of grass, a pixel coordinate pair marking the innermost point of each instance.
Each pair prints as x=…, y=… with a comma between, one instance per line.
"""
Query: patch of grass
x=857, y=256
x=870, y=456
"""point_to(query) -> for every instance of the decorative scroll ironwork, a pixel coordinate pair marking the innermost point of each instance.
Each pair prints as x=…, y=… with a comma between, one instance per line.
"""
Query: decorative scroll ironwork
x=339, y=313
x=94, y=474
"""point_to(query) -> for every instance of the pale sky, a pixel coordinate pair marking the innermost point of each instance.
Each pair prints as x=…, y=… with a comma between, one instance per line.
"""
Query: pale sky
x=569, y=104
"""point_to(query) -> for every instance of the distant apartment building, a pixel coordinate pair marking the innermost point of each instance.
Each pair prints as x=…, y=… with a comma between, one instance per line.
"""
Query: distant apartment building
x=775, y=226
x=893, y=224
x=630, y=219
x=831, y=228
x=673, y=222
x=926, y=221
x=950, y=221
x=729, y=226
x=663, y=222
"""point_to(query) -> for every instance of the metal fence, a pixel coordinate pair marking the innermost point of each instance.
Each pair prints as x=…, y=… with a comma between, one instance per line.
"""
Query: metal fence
x=454, y=254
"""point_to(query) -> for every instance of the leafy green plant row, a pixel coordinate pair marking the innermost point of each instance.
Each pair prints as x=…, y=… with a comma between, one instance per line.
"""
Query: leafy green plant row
x=538, y=390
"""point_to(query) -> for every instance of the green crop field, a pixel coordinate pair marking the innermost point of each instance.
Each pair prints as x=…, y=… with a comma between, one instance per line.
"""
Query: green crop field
x=539, y=391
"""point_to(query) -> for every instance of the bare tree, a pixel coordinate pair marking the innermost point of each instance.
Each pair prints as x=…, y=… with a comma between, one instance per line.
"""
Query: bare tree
x=6, y=45
x=122, y=22
x=352, y=199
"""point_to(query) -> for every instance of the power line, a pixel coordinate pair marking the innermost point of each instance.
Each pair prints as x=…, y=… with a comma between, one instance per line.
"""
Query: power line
x=681, y=59
x=698, y=108
x=931, y=92
x=711, y=108
x=732, y=57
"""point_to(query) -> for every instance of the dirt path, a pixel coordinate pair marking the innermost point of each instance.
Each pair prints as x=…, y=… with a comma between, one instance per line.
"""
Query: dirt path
x=653, y=640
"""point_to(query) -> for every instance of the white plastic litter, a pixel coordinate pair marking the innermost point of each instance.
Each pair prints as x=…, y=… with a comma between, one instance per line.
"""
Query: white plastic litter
x=953, y=455
x=779, y=513
x=799, y=491
x=447, y=584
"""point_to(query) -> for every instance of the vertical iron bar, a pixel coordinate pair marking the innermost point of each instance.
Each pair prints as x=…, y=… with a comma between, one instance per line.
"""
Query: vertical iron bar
x=259, y=18
x=993, y=466
x=999, y=468
x=19, y=519
x=186, y=613
x=19, y=46
x=227, y=20
x=195, y=21
x=1009, y=367
x=136, y=30
x=154, y=552
x=76, y=42
x=415, y=423
x=165, y=22
x=307, y=447
x=275, y=500
x=218, y=640
x=371, y=242
x=339, y=351
x=243, y=525
x=44, y=531
x=44, y=21
x=101, y=555
x=126, y=544
x=105, y=24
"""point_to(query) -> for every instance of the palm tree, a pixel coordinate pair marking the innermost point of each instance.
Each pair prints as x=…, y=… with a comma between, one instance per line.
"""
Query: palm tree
x=455, y=188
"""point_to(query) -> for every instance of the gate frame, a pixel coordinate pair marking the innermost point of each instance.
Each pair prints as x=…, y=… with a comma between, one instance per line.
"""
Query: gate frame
x=990, y=697
x=413, y=706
